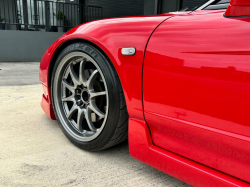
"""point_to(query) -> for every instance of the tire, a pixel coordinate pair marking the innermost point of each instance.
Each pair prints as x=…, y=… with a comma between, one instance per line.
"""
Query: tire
x=88, y=98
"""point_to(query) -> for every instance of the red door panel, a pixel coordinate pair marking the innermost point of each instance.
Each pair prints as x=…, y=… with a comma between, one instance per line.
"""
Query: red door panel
x=196, y=90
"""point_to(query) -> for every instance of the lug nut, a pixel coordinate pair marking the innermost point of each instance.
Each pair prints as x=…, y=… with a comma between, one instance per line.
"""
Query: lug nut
x=79, y=102
x=78, y=91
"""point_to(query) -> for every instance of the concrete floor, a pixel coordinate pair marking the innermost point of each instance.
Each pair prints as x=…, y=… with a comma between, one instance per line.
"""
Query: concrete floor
x=34, y=151
x=19, y=73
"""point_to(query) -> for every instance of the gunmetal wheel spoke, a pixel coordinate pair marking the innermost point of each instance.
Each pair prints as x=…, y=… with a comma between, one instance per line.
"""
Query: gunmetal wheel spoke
x=95, y=109
x=91, y=79
x=67, y=85
x=70, y=98
x=80, y=117
x=73, y=75
x=89, y=120
x=72, y=111
x=82, y=76
x=96, y=94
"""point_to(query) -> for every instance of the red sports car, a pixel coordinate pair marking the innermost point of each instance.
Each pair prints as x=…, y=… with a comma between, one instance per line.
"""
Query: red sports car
x=177, y=85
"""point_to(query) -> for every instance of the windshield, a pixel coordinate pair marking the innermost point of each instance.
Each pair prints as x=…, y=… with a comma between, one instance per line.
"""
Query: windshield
x=196, y=7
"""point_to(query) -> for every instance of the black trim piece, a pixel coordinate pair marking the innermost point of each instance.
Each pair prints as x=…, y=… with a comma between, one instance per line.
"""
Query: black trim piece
x=235, y=16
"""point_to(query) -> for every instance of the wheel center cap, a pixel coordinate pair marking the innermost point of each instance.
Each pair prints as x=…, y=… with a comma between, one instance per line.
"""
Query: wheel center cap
x=85, y=95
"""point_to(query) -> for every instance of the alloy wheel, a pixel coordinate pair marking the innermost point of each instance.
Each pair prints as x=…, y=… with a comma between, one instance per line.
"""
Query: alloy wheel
x=82, y=96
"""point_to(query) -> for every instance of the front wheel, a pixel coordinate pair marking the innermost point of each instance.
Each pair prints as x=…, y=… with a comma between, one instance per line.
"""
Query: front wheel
x=87, y=98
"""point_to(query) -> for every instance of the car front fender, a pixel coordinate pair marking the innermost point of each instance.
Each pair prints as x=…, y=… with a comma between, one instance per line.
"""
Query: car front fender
x=111, y=35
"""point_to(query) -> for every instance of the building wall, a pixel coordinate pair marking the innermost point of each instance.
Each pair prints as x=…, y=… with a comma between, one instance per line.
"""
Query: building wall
x=169, y=6
x=25, y=46
x=119, y=8
x=5, y=6
x=30, y=45
x=192, y=3
x=149, y=7
x=152, y=7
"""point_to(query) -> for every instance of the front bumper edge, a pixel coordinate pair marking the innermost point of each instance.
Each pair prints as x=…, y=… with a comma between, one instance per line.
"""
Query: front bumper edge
x=46, y=103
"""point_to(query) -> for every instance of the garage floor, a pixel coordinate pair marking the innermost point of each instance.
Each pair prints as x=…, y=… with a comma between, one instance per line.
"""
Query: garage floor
x=34, y=151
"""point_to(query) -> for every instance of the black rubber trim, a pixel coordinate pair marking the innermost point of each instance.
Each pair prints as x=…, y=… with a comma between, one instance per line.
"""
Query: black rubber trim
x=235, y=16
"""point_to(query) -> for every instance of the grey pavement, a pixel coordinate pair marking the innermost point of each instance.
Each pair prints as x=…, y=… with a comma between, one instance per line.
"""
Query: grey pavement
x=34, y=151
x=17, y=73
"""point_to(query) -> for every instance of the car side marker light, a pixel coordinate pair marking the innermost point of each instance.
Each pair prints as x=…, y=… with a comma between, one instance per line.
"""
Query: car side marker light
x=128, y=51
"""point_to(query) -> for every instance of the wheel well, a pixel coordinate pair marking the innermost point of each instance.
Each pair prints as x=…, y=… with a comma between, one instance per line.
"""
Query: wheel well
x=63, y=46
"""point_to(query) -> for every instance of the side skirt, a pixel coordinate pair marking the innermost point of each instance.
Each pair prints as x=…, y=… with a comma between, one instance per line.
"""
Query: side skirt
x=142, y=148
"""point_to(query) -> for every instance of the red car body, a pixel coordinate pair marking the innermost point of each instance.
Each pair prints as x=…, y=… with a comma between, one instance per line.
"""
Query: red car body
x=187, y=90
